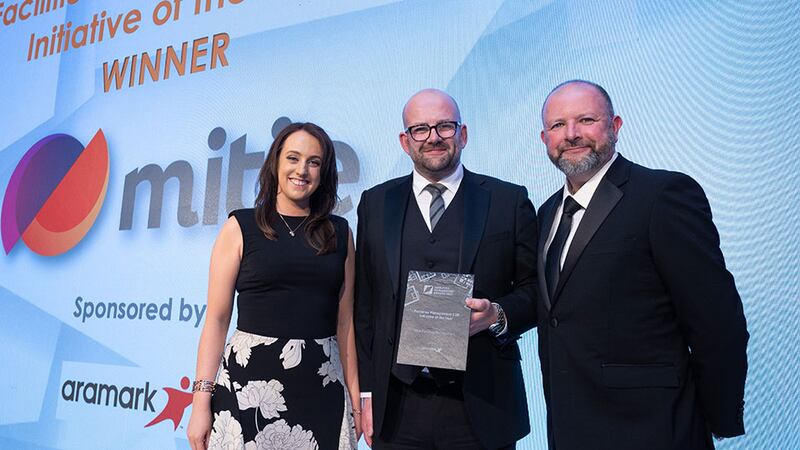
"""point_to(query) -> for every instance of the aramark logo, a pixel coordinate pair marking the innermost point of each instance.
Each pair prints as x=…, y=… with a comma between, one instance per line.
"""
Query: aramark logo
x=55, y=194
x=125, y=397
x=124, y=390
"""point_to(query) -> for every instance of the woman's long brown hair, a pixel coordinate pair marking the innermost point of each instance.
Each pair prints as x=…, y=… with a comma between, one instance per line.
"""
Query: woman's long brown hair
x=318, y=228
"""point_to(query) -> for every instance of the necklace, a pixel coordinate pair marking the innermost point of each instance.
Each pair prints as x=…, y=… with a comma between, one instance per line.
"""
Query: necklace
x=291, y=231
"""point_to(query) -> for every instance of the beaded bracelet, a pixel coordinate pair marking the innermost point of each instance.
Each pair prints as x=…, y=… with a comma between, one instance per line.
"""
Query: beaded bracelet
x=203, y=386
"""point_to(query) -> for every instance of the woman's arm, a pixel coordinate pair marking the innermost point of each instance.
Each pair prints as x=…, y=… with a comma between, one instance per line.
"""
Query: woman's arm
x=225, y=258
x=345, y=333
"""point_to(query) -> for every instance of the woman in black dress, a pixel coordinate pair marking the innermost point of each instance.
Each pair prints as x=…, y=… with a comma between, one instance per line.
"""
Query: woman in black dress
x=288, y=375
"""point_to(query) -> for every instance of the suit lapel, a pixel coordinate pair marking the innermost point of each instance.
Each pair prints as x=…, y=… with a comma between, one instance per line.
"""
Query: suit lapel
x=547, y=214
x=476, y=209
x=394, y=210
x=605, y=198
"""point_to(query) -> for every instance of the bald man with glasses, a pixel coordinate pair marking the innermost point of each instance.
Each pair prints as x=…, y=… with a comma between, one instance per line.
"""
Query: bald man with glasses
x=444, y=218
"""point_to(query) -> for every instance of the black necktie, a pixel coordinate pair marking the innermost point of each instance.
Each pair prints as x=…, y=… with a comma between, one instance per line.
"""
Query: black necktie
x=437, y=202
x=552, y=266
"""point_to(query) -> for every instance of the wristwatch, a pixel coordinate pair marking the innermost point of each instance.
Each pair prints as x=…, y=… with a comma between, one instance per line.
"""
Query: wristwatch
x=498, y=327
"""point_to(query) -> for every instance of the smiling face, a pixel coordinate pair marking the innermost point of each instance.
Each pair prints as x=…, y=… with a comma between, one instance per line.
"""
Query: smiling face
x=579, y=131
x=435, y=157
x=299, y=172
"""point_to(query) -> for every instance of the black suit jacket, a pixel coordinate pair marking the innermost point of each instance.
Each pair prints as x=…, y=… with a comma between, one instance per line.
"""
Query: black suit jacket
x=499, y=247
x=643, y=344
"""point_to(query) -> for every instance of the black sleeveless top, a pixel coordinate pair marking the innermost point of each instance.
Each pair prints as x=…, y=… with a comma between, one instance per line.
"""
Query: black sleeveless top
x=285, y=289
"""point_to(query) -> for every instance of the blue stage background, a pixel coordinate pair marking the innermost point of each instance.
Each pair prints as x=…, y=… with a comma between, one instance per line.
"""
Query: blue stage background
x=709, y=88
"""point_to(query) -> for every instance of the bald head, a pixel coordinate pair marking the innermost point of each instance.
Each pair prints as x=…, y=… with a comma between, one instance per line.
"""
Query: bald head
x=431, y=112
x=582, y=83
x=429, y=101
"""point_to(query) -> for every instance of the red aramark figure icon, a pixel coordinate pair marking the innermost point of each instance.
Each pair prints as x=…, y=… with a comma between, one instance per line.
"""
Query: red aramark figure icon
x=177, y=401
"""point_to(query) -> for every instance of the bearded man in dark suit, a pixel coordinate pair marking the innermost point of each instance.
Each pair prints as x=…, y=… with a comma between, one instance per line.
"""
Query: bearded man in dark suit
x=642, y=336
x=444, y=218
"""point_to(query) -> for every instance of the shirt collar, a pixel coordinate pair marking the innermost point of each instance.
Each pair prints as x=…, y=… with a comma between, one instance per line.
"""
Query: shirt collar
x=451, y=182
x=586, y=192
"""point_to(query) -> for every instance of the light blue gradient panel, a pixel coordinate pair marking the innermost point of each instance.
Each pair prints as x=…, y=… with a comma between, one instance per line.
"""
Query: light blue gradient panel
x=35, y=345
x=34, y=83
x=710, y=89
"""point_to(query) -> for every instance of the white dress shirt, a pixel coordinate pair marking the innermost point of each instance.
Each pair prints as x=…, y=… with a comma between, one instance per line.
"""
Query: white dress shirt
x=424, y=198
x=583, y=196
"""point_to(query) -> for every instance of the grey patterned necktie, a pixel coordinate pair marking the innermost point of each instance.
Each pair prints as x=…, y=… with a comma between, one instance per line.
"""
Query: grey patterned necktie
x=437, y=202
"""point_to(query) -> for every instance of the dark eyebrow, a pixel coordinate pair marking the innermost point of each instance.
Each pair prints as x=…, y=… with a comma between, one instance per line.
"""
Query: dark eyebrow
x=437, y=123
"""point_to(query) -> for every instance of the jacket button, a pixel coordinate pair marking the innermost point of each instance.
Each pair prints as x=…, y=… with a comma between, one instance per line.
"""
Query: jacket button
x=430, y=264
x=432, y=240
x=554, y=322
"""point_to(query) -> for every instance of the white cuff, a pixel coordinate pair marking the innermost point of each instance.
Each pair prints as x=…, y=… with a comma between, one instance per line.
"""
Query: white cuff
x=366, y=395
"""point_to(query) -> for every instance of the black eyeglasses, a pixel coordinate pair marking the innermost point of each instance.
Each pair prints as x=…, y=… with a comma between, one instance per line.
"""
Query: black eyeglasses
x=421, y=133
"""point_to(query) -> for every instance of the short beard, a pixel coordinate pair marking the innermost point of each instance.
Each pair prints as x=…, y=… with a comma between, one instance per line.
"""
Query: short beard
x=570, y=168
x=592, y=161
x=439, y=165
x=442, y=167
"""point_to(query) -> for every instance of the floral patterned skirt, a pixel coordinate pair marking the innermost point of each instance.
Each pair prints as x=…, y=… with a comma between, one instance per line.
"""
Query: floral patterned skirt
x=278, y=393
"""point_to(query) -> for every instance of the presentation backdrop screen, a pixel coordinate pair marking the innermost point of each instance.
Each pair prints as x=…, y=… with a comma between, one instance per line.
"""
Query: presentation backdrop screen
x=131, y=128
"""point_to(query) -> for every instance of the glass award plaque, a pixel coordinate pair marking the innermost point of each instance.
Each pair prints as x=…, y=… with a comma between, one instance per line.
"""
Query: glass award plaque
x=434, y=331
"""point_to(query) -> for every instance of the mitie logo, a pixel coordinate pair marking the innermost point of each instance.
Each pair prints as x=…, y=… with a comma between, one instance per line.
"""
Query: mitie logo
x=239, y=162
x=57, y=189
x=55, y=194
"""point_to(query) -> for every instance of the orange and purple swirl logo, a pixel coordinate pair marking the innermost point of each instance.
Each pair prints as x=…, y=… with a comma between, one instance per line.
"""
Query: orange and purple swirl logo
x=55, y=194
